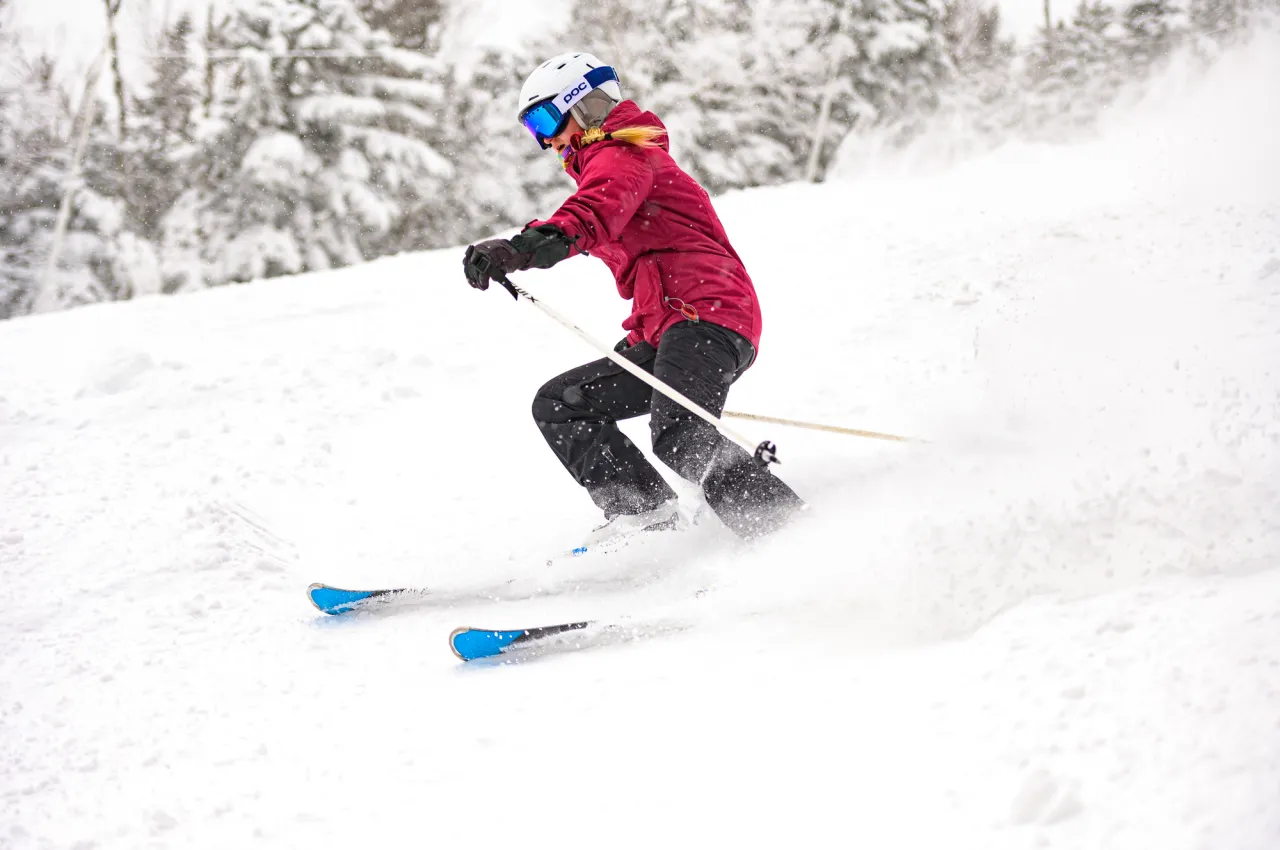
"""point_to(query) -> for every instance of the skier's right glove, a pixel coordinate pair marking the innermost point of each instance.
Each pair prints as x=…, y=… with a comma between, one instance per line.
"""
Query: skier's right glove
x=536, y=247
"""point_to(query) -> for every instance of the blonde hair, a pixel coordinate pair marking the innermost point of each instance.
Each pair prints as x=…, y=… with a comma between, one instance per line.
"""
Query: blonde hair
x=642, y=137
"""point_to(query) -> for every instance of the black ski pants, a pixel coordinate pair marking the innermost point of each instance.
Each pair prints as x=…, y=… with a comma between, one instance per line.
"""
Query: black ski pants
x=578, y=413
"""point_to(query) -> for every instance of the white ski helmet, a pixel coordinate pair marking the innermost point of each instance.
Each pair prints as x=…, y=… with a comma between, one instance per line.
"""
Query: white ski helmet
x=571, y=83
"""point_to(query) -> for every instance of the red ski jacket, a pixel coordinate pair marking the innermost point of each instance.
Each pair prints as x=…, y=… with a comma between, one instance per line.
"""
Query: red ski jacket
x=655, y=229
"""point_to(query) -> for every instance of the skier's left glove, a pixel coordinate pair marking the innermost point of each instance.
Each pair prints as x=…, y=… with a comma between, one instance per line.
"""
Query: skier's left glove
x=536, y=247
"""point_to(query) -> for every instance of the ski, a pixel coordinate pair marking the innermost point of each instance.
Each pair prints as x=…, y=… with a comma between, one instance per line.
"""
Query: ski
x=470, y=644
x=336, y=600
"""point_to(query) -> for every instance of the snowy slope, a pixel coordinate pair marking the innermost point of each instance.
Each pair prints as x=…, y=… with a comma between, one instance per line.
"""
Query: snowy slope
x=1056, y=625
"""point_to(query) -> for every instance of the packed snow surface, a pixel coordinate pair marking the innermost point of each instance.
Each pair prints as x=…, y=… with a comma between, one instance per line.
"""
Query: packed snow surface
x=1055, y=625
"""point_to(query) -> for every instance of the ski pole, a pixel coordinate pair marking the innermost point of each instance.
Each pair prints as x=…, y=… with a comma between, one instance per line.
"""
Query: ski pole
x=765, y=453
x=814, y=426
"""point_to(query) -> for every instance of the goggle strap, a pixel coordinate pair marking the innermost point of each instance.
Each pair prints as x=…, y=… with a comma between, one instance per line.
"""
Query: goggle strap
x=580, y=89
x=599, y=76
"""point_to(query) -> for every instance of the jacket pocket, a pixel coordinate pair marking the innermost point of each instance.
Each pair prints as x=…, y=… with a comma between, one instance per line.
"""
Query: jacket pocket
x=646, y=304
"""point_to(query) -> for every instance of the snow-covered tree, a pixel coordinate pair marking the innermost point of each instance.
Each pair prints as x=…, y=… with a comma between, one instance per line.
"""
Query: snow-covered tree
x=971, y=32
x=858, y=64
x=1215, y=17
x=1074, y=71
x=324, y=145
x=747, y=89
x=1215, y=23
x=161, y=147
x=412, y=24
x=504, y=177
x=96, y=255
x=33, y=115
x=297, y=134
x=693, y=62
x=981, y=102
x=720, y=98
x=1152, y=28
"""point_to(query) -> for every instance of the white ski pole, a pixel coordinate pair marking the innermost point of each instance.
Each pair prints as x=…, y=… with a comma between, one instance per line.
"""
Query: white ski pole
x=765, y=453
x=816, y=426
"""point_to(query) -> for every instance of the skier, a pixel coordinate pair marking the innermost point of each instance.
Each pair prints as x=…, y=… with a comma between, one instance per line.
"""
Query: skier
x=694, y=323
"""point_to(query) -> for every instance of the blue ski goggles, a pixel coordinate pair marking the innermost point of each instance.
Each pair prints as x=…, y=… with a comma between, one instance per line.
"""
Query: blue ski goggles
x=546, y=119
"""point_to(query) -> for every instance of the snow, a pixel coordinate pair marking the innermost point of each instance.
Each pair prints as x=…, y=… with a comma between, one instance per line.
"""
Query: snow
x=1057, y=624
x=278, y=159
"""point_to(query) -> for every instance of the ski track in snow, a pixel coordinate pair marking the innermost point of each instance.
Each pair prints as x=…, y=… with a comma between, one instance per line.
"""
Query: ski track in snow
x=1056, y=625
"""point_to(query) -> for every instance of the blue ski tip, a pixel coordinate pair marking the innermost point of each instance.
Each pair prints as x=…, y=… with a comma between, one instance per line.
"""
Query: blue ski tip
x=470, y=644
x=335, y=600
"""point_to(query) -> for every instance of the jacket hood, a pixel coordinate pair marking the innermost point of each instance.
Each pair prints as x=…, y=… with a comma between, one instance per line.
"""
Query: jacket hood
x=627, y=114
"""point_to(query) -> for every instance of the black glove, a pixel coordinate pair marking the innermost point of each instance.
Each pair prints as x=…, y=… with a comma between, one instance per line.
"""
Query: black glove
x=546, y=242
x=538, y=247
x=492, y=260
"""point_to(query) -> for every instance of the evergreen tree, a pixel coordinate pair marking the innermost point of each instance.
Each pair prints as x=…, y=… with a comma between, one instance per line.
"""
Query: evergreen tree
x=412, y=24
x=1091, y=43
x=1215, y=18
x=505, y=178
x=1215, y=23
x=687, y=61
x=97, y=257
x=709, y=79
x=33, y=115
x=971, y=32
x=324, y=138
x=721, y=100
x=307, y=137
x=861, y=64
x=1075, y=71
x=747, y=89
x=1151, y=31
x=162, y=142
x=982, y=103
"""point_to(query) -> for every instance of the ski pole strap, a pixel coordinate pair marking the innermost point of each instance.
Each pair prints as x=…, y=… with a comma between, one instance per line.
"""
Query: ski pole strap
x=510, y=287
